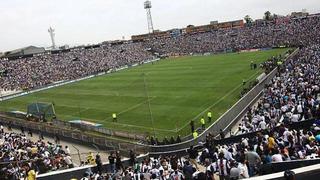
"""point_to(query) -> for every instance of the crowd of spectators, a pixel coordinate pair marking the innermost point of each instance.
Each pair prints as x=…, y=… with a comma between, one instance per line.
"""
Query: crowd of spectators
x=20, y=157
x=41, y=70
x=294, y=32
x=292, y=96
x=237, y=160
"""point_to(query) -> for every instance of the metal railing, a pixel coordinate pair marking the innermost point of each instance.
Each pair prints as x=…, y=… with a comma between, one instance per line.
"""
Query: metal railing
x=73, y=135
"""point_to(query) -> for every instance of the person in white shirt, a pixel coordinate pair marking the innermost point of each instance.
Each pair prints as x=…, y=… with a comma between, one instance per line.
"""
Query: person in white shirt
x=67, y=150
x=295, y=117
x=276, y=157
x=286, y=134
x=68, y=160
x=177, y=175
x=155, y=171
x=1, y=129
x=228, y=154
x=262, y=125
x=221, y=166
x=244, y=172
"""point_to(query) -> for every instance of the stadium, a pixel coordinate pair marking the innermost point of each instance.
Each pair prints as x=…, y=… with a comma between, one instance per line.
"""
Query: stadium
x=226, y=100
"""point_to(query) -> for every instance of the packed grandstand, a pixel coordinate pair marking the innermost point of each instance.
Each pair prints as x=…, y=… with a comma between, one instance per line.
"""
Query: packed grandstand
x=292, y=96
x=41, y=70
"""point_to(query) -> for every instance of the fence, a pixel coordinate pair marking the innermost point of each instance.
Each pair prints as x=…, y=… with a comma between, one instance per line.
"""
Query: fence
x=102, y=130
x=306, y=124
x=74, y=135
x=301, y=173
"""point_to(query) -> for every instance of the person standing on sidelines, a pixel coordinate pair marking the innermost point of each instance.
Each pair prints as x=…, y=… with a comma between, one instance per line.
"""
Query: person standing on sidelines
x=203, y=123
x=112, y=160
x=209, y=115
x=99, y=163
x=114, y=117
x=195, y=135
x=90, y=159
x=192, y=126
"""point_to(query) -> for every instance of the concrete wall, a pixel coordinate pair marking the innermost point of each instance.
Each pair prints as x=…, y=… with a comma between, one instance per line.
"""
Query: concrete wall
x=79, y=171
x=304, y=173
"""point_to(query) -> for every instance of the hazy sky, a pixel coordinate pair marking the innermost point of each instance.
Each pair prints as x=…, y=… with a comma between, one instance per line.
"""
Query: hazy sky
x=25, y=22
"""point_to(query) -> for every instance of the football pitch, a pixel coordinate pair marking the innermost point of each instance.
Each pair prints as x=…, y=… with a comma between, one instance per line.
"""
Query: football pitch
x=159, y=98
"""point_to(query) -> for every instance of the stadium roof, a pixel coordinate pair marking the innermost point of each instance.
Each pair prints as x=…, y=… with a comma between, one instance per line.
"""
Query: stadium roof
x=25, y=51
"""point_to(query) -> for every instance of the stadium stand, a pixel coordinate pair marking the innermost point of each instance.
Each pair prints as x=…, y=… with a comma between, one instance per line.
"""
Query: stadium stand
x=291, y=97
x=19, y=155
x=41, y=70
x=275, y=144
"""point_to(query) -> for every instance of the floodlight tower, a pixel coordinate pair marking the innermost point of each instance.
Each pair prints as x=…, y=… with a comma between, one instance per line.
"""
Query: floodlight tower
x=147, y=7
x=51, y=32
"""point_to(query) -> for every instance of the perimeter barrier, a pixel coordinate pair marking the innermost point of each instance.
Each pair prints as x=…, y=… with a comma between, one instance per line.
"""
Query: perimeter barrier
x=76, y=136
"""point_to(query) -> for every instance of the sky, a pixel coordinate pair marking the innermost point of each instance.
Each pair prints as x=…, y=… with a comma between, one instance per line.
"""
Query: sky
x=78, y=22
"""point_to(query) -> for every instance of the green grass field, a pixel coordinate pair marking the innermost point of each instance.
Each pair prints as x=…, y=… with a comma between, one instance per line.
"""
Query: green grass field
x=179, y=90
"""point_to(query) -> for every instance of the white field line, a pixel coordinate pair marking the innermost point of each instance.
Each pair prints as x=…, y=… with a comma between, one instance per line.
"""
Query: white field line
x=131, y=108
x=124, y=111
x=76, y=113
x=217, y=102
x=130, y=125
x=144, y=127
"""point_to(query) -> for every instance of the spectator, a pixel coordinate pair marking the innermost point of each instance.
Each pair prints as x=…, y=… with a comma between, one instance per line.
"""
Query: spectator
x=222, y=167
x=112, y=159
x=193, y=154
x=99, y=163
x=253, y=160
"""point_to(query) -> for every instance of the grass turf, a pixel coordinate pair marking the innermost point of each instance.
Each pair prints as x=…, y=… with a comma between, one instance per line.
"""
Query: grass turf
x=179, y=90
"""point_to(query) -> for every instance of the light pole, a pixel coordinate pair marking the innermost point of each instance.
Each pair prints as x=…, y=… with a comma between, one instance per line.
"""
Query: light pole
x=147, y=7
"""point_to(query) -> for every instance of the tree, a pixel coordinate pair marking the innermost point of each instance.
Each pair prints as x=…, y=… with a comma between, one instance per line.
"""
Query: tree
x=267, y=16
x=275, y=16
x=190, y=26
x=248, y=19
